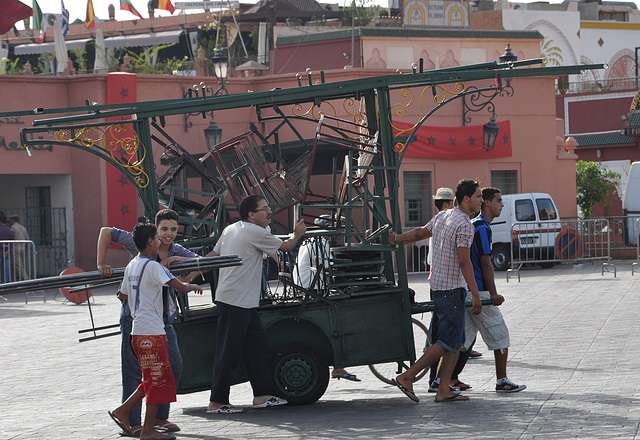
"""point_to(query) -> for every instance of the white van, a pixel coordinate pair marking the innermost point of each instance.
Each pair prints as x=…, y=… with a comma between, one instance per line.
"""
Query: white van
x=536, y=223
x=631, y=203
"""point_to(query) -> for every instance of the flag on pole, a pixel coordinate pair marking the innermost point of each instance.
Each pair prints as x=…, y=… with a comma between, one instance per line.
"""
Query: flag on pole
x=89, y=22
x=162, y=4
x=38, y=22
x=37, y=16
x=65, y=19
x=126, y=5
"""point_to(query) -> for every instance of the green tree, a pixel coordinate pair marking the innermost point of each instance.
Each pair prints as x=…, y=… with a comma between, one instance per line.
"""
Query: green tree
x=8, y=67
x=594, y=184
x=364, y=11
x=80, y=58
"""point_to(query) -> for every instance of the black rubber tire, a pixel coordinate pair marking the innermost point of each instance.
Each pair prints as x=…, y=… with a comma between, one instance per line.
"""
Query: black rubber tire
x=501, y=257
x=301, y=373
x=546, y=265
x=388, y=371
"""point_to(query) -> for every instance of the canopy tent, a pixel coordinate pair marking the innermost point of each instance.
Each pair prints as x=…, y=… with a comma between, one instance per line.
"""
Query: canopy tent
x=150, y=39
x=60, y=47
x=100, y=63
x=28, y=49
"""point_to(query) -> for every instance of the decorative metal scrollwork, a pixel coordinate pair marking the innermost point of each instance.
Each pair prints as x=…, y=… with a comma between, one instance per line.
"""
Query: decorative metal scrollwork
x=440, y=96
x=479, y=100
x=119, y=141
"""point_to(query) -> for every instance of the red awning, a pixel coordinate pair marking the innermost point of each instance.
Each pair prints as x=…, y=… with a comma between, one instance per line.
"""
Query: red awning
x=12, y=11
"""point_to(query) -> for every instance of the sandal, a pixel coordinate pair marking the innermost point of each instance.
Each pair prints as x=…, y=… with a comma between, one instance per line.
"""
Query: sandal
x=461, y=386
x=226, y=409
x=347, y=376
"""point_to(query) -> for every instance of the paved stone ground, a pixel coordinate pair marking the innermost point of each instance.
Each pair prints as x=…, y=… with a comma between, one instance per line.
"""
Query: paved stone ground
x=574, y=335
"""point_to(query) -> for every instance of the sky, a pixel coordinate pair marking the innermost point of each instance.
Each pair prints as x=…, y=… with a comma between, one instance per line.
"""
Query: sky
x=77, y=8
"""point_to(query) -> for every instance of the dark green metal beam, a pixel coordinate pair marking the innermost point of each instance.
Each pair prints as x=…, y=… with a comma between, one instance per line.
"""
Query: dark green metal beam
x=314, y=93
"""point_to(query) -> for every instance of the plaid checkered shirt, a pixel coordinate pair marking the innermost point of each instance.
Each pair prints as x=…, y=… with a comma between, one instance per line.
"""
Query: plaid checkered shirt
x=451, y=229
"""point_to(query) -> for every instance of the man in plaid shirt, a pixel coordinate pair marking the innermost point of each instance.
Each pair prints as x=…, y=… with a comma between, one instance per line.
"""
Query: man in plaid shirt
x=452, y=233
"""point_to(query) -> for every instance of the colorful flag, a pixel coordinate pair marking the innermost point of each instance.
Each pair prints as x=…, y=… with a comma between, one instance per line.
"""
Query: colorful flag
x=65, y=19
x=89, y=22
x=126, y=5
x=162, y=4
x=37, y=16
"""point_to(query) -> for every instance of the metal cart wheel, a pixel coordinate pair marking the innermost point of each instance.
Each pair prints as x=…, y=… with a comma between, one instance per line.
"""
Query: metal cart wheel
x=388, y=371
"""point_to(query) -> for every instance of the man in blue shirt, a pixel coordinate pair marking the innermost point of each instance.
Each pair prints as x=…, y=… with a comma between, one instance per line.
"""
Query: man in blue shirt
x=489, y=322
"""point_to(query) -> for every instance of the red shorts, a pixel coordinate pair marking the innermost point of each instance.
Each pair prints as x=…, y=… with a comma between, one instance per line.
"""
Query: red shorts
x=157, y=379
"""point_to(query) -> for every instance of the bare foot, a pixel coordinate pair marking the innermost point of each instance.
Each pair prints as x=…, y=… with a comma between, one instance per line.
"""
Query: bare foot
x=446, y=395
x=405, y=382
x=166, y=426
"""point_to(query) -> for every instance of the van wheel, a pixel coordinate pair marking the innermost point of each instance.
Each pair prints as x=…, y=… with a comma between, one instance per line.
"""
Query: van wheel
x=501, y=257
x=547, y=265
x=301, y=373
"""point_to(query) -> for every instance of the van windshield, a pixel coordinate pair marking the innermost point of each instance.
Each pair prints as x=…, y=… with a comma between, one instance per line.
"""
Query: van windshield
x=524, y=211
x=546, y=210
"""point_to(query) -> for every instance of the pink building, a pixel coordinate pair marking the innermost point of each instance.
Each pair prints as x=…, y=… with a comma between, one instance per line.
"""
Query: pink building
x=77, y=180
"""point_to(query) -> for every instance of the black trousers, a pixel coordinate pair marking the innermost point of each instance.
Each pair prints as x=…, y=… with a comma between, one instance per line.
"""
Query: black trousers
x=240, y=336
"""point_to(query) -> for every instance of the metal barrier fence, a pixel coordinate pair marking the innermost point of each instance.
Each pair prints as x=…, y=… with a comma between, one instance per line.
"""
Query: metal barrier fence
x=47, y=228
x=565, y=241
x=18, y=263
x=622, y=233
x=636, y=236
x=416, y=256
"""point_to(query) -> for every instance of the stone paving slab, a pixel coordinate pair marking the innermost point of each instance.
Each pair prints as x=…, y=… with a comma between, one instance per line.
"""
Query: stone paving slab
x=574, y=337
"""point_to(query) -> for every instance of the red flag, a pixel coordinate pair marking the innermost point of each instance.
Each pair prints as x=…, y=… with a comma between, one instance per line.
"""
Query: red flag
x=162, y=4
x=89, y=22
x=126, y=5
x=12, y=11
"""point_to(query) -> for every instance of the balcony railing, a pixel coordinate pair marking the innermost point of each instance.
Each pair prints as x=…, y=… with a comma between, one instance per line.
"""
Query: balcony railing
x=600, y=85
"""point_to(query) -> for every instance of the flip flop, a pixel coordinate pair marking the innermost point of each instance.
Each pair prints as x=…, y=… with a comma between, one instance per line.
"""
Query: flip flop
x=134, y=433
x=347, y=376
x=126, y=429
x=226, y=409
x=271, y=401
x=407, y=392
x=168, y=427
x=454, y=398
x=475, y=354
x=461, y=386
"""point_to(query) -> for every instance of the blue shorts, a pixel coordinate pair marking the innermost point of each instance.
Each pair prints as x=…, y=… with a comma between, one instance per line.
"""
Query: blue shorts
x=450, y=315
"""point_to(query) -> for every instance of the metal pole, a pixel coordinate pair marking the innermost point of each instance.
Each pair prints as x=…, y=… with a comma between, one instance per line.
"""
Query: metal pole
x=353, y=30
x=636, y=53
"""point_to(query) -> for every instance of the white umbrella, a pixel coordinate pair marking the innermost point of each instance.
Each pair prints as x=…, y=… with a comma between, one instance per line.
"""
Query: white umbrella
x=61, y=48
x=100, y=63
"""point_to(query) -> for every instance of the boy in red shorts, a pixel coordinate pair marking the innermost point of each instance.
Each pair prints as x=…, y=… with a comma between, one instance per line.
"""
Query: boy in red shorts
x=143, y=281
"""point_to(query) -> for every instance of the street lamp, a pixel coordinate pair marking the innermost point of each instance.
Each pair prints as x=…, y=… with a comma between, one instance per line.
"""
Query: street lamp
x=479, y=99
x=220, y=69
x=213, y=133
x=508, y=56
x=490, y=132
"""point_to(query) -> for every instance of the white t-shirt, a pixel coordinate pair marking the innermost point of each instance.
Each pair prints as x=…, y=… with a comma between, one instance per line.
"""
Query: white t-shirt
x=240, y=285
x=145, y=296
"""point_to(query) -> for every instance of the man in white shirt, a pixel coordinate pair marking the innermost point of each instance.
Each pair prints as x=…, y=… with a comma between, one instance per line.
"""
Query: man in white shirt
x=240, y=333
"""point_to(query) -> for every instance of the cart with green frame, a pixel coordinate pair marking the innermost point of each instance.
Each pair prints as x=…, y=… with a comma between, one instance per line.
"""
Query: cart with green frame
x=358, y=311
